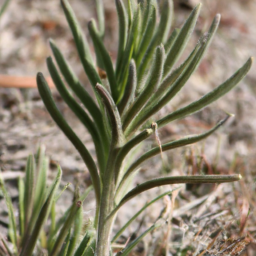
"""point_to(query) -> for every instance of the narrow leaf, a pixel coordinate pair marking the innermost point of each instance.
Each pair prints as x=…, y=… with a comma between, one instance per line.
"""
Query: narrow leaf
x=115, y=120
x=81, y=45
x=66, y=227
x=29, y=189
x=41, y=173
x=101, y=17
x=80, y=91
x=123, y=29
x=210, y=97
x=181, y=41
x=194, y=179
x=168, y=146
x=176, y=79
x=127, y=148
x=104, y=58
x=7, y=249
x=170, y=42
x=28, y=249
x=78, y=224
x=12, y=229
x=40, y=200
x=80, y=40
x=62, y=220
x=147, y=36
x=61, y=122
x=130, y=88
x=159, y=37
x=165, y=22
x=65, y=245
x=151, y=85
x=123, y=69
x=170, y=86
x=170, y=81
x=21, y=187
x=83, y=247
x=79, y=112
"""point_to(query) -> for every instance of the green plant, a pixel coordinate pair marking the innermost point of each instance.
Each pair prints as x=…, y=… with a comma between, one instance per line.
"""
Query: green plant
x=142, y=82
x=36, y=202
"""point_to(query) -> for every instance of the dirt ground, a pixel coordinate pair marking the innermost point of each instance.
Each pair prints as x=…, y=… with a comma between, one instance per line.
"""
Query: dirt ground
x=24, y=123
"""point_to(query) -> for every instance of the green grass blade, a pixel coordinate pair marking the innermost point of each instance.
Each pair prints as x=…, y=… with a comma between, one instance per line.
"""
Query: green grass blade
x=61, y=122
x=61, y=221
x=12, y=229
x=126, y=251
x=80, y=91
x=66, y=227
x=168, y=146
x=130, y=88
x=181, y=41
x=29, y=189
x=21, y=187
x=42, y=163
x=65, y=246
x=53, y=217
x=151, y=85
x=176, y=79
x=104, y=58
x=209, y=97
x=123, y=29
x=39, y=202
x=28, y=249
x=84, y=244
x=41, y=171
x=91, y=248
x=137, y=214
x=79, y=112
x=78, y=224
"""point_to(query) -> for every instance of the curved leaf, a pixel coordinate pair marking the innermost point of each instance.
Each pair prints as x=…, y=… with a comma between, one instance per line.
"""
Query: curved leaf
x=79, y=112
x=182, y=40
x=45, y=93
x=103, y=58
x=168, y=146
x=209, y=97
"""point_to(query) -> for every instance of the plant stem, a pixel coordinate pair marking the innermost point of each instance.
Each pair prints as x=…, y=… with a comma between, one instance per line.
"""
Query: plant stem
x=106, y=206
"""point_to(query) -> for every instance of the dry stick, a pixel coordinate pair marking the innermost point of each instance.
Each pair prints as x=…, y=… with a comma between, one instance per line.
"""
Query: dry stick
x=8, y=81
x=154, y=127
